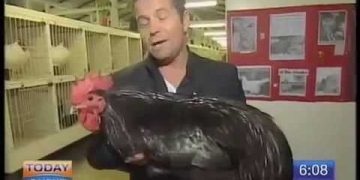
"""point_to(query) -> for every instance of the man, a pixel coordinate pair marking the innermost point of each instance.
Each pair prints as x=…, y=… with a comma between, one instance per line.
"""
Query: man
x=168, y=67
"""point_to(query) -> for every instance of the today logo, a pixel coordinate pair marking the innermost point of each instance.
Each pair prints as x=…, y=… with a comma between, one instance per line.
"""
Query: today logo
x=47, y=170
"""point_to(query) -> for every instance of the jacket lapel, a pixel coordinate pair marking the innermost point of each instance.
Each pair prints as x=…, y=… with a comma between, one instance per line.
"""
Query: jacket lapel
x=158, y=83
x=188, y=84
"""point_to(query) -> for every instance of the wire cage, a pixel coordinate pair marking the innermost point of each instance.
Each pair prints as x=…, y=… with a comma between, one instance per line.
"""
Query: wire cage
x=119, y=52
x=66, y=117
x=30, y=111
x=98, y=52
x=210, y=53
x=26, y=51
x=135, y=50
x=67, y=51
x=37, y=107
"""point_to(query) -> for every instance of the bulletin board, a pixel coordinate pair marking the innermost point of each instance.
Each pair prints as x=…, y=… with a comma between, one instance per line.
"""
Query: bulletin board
x=318, y=69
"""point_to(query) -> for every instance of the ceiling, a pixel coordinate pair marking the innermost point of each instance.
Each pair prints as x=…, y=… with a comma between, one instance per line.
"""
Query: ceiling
x=95, y=11
x=85, y=10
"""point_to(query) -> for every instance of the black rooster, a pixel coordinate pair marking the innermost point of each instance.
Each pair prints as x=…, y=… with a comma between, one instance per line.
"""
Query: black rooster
x=172, y=132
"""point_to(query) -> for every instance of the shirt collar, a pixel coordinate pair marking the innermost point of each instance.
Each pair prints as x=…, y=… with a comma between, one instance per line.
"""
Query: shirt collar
x=160, y=82
x=191, y=61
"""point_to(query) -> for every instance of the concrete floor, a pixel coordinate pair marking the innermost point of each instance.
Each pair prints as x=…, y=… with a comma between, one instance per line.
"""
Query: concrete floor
x=81, y=169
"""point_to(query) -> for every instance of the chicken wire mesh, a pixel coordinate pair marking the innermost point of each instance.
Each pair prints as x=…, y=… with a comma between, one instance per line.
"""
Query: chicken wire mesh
x=135, y=50
x=119, y=52
x=26, y=52
x=67, y=51
x=98, y=52
x=66, y=117
x=31, y=113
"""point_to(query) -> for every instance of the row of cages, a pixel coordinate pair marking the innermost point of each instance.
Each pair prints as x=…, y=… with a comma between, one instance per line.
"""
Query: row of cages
x=44, y=58
x=37, y=50
x=209, y=53
x=38, y=111
x=198, y=39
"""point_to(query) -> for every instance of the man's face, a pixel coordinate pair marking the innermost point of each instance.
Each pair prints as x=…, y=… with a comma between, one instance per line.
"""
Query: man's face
x=161, y=28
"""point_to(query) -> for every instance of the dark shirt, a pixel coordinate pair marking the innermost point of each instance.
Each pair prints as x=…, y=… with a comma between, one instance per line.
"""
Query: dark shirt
x=203, y=78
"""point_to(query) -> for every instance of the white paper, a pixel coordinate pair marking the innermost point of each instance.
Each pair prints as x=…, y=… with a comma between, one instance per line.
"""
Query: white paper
x=255, y=80
x=287, y=36
x=332, y=27
x=244, y=34
x=293, y=82
x=339, y=48
x=328, y=81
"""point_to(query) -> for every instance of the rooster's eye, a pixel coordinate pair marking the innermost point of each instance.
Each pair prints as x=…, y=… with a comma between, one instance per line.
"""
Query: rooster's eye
x=90, y=98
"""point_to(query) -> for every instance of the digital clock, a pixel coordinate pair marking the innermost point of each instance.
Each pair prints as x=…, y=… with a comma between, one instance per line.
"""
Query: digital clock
x=314, y=170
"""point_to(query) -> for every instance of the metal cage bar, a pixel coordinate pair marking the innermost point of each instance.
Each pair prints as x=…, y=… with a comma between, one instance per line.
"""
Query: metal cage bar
x=119, y=52
x=25, y=53
x=65, y=116
x=98, y=52
x=67, y=50
x=135, y=50
x=30, y=113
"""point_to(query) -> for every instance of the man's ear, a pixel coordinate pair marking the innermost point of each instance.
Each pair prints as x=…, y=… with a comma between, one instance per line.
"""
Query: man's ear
x=186, y=21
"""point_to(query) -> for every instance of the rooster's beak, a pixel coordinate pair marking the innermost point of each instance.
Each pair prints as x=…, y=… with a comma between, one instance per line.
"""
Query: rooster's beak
x=80, y=106
x=74, y=109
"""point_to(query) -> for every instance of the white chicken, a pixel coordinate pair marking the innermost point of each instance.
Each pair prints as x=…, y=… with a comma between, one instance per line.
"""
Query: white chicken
x=254, y=86
x=59, y=54
x=15, y=56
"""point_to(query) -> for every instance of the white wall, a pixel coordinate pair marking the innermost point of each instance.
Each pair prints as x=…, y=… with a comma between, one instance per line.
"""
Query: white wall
x=258, y=4
x=318, y=131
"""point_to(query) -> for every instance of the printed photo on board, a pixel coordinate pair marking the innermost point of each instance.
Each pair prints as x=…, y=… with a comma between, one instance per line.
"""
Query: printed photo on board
x=328, y=81
x=293, y=82
x=244, y=34
x=255, y=80
x=332, y=26
x=287, y=36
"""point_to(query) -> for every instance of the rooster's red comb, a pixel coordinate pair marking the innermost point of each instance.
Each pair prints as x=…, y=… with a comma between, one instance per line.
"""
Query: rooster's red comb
x=92, y=82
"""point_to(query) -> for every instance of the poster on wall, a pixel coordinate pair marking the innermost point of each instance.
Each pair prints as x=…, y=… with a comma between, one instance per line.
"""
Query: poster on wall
x=244, y=34
x=287, y=36
x=328, y=81
x=293, y=82
x=255, y=80
x=332, y=27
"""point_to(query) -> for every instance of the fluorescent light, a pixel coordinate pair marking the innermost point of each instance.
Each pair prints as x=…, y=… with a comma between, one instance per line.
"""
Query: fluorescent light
x=202, y=24
x=207, y=25
x=215, y=33
x=199, y=4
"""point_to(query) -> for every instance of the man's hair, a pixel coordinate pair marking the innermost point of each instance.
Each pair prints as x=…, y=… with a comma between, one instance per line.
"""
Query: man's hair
x=178, y=4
